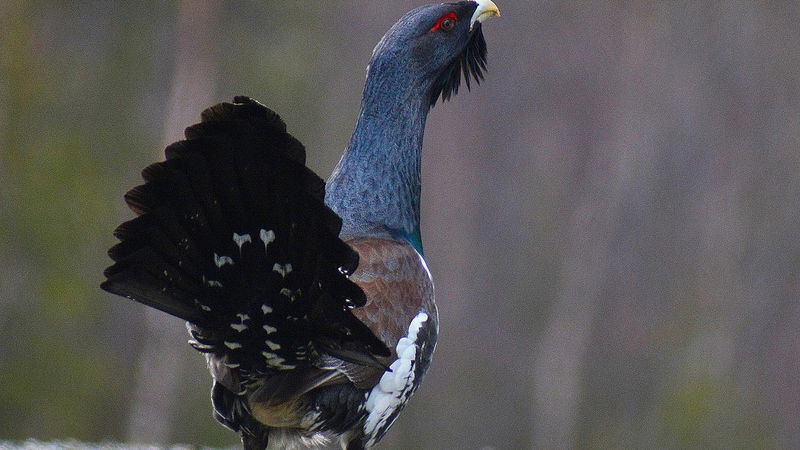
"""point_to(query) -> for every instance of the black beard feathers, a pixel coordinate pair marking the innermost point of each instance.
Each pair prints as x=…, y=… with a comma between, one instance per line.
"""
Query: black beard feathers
x=471, y=62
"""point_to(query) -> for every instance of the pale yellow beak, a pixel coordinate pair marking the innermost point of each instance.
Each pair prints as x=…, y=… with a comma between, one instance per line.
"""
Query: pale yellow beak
x=486, y=9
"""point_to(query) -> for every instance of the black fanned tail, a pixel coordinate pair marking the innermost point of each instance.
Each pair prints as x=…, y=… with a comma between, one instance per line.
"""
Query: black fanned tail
x=233, y=236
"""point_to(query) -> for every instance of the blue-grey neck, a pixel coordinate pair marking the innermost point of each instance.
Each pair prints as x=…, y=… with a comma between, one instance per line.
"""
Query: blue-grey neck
x=375, y=188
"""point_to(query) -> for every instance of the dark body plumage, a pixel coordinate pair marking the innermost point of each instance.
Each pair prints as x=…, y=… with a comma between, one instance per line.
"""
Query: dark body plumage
x=315, y=311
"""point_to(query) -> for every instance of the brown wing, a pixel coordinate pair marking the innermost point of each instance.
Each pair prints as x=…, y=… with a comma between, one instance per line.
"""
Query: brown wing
x=397, y=285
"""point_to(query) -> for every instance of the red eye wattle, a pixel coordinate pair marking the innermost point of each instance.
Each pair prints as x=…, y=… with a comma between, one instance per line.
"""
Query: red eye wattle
x=445, y=23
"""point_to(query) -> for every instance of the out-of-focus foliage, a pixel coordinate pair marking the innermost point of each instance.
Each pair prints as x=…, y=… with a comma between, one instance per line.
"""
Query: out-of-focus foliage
x=612, y=219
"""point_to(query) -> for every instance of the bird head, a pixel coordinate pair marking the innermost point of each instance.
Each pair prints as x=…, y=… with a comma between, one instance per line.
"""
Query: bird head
x=433, y=45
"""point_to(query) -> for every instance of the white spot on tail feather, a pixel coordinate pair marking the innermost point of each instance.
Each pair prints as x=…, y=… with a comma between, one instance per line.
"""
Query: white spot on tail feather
x=222, y=260
x=240, y=326
x=272, y=346
x=266, y=309
x=283, y=269
x=395, y=386
x=211, y=283
x=266, y=236
x=202, y=306
x=233, y=345
x=240, y=240
x=274, y=360
x=270, y=329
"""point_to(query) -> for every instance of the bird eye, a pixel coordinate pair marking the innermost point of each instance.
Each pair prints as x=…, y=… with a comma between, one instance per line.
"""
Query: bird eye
x=448, y=24
x=445, y=23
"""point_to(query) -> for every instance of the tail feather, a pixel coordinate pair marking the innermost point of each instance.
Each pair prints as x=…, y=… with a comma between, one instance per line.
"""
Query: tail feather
x=233, y=236
x=232, y=232
x=136, y=282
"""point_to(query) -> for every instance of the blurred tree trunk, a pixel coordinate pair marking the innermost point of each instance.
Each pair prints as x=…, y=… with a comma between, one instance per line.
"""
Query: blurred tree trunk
x=593, y=191
x=558, y=361
x=6, y=270
x=161, y=362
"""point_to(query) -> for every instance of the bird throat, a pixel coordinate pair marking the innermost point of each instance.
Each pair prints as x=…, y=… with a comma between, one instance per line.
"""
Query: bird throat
x=375, y=188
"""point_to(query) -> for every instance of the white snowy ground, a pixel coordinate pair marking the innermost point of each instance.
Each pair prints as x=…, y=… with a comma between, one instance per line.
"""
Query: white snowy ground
x=76, y=445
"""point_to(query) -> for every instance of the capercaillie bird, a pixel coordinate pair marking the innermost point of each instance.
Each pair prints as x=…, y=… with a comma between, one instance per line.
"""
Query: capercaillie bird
x=312, y=302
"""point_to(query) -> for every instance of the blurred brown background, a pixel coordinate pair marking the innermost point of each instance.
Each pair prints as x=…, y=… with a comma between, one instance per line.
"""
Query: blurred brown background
x=612, y=218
